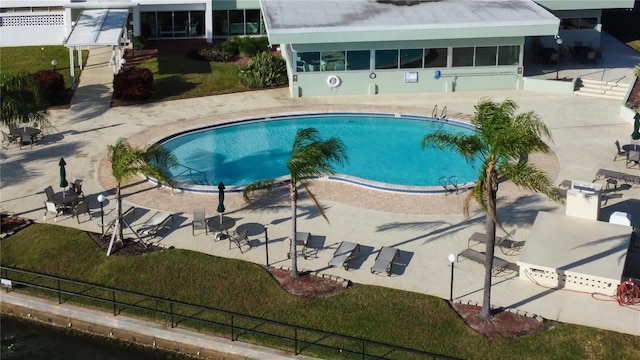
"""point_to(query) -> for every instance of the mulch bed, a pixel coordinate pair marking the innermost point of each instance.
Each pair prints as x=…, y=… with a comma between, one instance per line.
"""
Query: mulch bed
x=12, y=224
x=503, y=324
x=307, y=284
x=634, y=97
x=128, y=247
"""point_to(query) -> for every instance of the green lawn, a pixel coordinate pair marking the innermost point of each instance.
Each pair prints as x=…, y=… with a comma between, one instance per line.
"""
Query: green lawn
x=33, y=58
x=375, y=313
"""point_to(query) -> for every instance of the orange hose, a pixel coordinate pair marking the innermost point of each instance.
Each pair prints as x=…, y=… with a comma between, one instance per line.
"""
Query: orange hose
x=627, y=293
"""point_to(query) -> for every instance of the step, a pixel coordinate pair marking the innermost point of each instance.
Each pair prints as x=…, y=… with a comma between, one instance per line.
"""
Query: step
x=598, y=95
x=615, y=92
x=587, y=82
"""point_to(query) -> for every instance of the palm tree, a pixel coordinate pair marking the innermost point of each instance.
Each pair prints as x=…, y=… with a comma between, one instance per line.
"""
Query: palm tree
x=20, y=100
x=128, y=161
x=310, y=158
x=501, y=144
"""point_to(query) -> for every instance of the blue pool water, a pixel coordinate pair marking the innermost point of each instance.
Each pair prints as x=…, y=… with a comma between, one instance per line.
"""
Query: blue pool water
x=381, y=148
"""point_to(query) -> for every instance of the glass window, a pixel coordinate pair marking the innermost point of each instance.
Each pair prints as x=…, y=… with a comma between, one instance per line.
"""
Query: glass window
x=148, y=24
x=181, y=24
x=253, y=22
x=486, y=55
x=358, y=60
x=332, y=61
x=236, y=22
x=386, y=59
x=435, y=57
x=462, y=56
x=310, y=61
x=570, y=23
x=197, y=23
x=220, y=23
x=165, y=24
x=588, y=23
x=509, y=55
x=410, y=58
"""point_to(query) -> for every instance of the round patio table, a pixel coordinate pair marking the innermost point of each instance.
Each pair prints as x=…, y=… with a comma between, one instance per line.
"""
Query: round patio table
x=66, y=198
x=221, y=227
x=25, y=130
x=629, y=147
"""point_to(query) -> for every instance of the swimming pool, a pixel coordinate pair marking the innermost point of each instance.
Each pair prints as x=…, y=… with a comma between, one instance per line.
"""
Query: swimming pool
x=384, y=151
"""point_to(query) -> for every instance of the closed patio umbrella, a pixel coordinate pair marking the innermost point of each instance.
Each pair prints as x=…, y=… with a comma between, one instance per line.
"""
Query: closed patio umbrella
x=63, y=174
x=221, y=199
x=635, y=135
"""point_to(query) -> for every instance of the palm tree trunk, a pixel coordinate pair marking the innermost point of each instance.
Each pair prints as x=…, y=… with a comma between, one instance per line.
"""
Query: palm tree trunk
x=293, y=196
x=490, y=228
x=120, y=232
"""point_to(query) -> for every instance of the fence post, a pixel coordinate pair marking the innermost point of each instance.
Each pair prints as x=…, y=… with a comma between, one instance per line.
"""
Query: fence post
x=295, y=341
x=59, y=295
x=232, y=335
x=363, y=350
x=171, y=311
x=113, y=297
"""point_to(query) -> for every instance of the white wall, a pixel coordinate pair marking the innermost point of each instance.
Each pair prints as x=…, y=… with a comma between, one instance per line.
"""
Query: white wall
x=33, y=28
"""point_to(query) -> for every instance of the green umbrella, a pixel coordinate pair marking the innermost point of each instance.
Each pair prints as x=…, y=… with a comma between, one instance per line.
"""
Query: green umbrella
x=635, y=135
x=221, y=199
x=63, y=173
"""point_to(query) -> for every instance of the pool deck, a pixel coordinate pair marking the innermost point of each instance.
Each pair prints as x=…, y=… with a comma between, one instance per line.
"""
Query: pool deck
x=426, y=228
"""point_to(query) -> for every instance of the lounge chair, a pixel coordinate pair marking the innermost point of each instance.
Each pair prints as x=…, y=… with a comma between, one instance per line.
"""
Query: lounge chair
x=239, y=239
x=499, y=265
x=152, y=226
x=111, y=221
x=385, y=260
x=507, y=245
x=620, y=152
x=199, y=222
x=346, y=252
x=610, y=174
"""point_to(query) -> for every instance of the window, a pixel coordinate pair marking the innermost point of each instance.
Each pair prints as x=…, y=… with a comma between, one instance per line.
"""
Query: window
x=486, y=56
x=332, y=61
x=509, y=55
x=309, y=61
x=358, y=60
x=410, y=58
x=220, y=23
x=588, y=23
x=236, y=22
x=462, y=57
x=386, y=59
x=435, y=57
x=579, y=23
x=253, y=22
x=570, y=24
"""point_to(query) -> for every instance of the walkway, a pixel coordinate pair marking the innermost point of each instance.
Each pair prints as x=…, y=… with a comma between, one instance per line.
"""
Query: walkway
x=584, y=130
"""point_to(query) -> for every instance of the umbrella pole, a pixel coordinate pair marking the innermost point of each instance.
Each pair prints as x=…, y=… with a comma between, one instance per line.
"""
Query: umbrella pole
x=220, y=218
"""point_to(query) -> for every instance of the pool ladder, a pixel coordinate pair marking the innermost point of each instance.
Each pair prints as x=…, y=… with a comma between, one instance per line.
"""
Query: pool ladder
x=443, y=113
x=450, y=184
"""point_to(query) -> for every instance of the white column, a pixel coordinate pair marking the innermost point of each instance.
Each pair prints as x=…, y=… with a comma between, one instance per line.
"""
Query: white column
x=72, y=69
x=80, y=57
x=137, y=29
x=208, y=21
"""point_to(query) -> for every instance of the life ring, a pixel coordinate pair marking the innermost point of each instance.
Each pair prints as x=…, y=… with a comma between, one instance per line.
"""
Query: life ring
x=333, y=81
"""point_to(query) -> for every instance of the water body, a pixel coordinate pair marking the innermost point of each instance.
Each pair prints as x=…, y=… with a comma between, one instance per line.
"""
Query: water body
x=25, y=339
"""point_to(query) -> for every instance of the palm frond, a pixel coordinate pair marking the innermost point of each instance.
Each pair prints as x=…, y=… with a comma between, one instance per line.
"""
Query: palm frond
x=260, y=185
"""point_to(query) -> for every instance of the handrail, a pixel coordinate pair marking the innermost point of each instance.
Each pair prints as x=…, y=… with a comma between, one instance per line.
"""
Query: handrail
x=443, y=115
x=434, y=113
x=191, y=170
x=301, y=337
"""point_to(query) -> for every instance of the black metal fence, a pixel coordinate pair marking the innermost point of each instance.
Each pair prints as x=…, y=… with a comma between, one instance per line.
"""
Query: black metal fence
x=297, y=339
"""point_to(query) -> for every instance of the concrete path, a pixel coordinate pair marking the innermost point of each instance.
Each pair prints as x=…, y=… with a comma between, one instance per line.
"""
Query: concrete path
x=584, y=130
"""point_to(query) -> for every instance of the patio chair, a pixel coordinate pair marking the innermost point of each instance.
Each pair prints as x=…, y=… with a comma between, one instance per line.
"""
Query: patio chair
x=51, y=207
x=385, y=260
x=633, y=157
x=238, y=239
x=199, y=222
x=152, y=226
x=111, y=220
x=346, y=252
x=81, y=208
x=26, y=139
x=77, y=186
x=620, y=151
x=49, y=192
x=7, y=139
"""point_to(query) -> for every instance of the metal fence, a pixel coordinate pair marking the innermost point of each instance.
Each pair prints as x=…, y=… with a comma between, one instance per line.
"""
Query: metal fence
x=297, y=339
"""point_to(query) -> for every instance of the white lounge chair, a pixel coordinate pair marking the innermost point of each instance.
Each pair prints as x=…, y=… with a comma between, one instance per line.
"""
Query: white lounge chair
x=385, y=260
x=346, y=252
x=155, y=224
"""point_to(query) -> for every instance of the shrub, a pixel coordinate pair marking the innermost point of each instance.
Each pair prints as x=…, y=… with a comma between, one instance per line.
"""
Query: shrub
x=51, y=85
x=231, y=46
x=264, y=70
x=252, y=46
x=133, y=84
x=211, y=53
x=139, y=42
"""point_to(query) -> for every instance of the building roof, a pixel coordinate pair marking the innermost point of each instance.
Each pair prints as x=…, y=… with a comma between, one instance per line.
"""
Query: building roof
x=98, y=27
x=322, y=21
